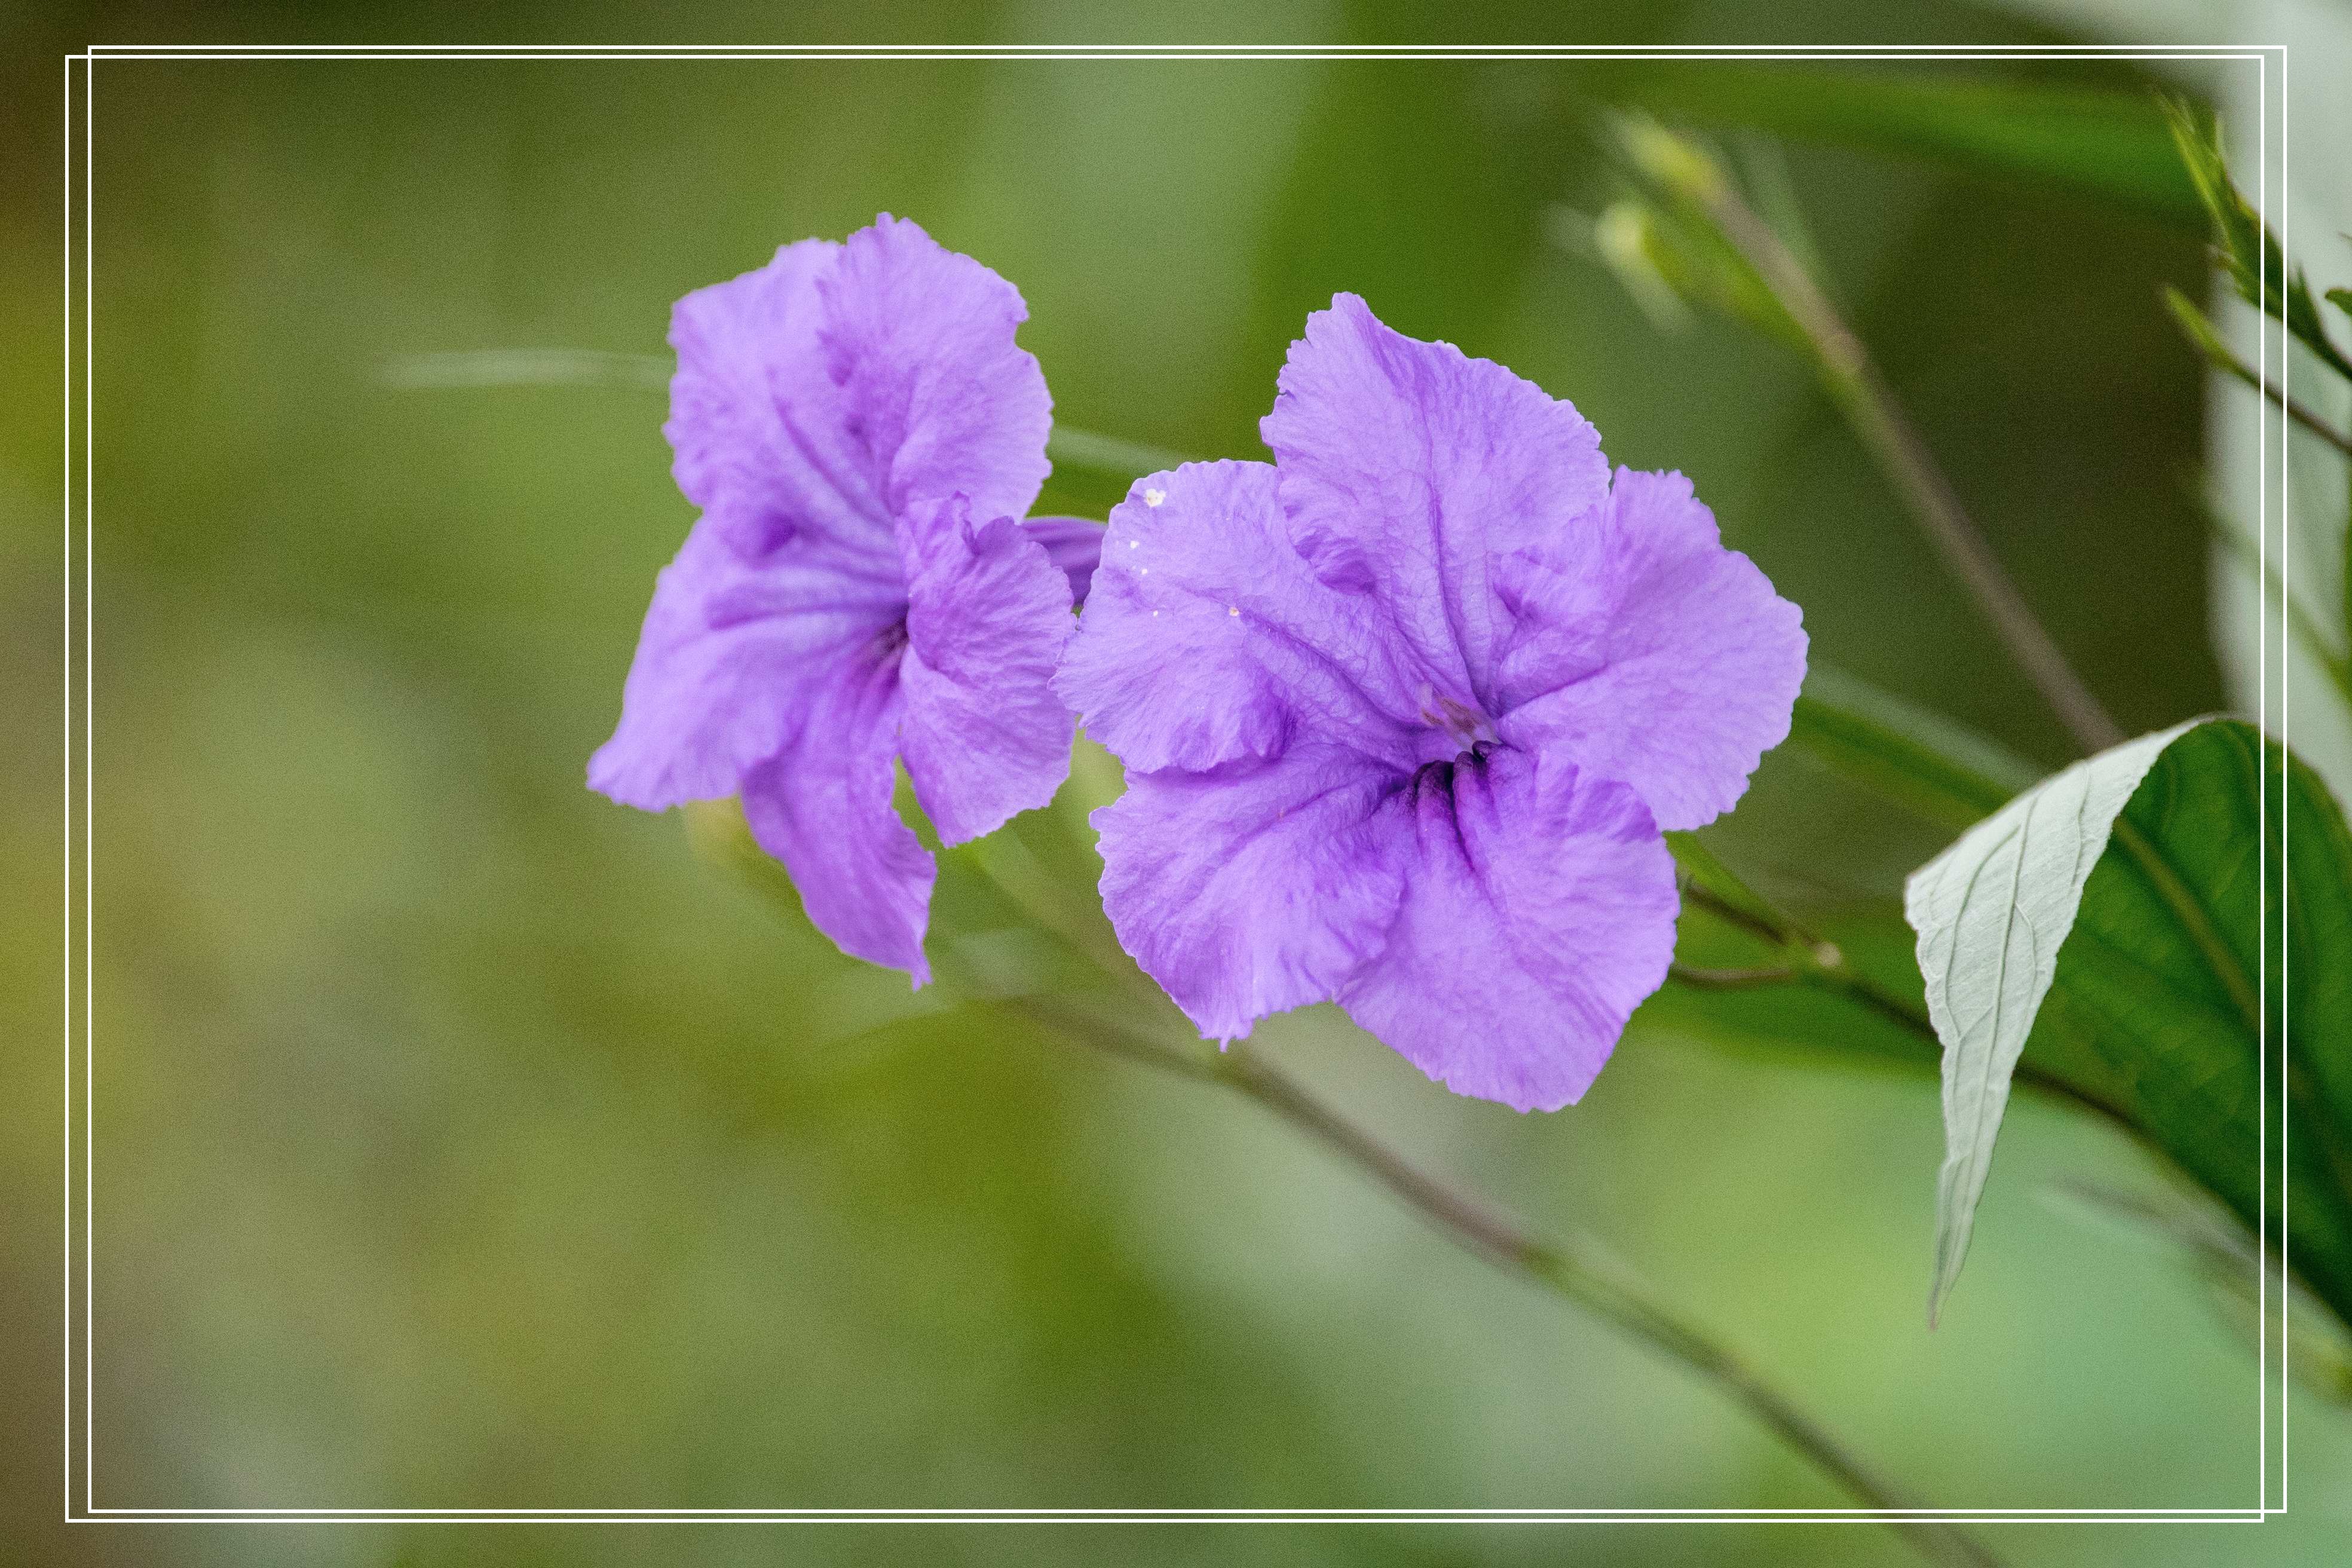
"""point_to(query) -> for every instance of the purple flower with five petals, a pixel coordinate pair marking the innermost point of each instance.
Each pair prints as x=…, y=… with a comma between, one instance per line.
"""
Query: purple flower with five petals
x=863, y=437
x=1404, y=712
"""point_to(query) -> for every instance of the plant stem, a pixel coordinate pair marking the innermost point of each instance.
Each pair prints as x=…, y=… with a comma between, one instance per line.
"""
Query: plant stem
x=2299, y=622
x=1463, y=1217
x=1862, y=393
x=2207, y=339
x=1811, y=961
x=1730, y=979
x=1825, y=967
x=1480, y=1228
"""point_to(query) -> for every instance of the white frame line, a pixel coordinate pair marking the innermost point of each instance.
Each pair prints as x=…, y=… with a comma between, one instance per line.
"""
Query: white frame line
x=453, y=53
x=2286, y=817
x=2261, y=837
x=91, y=1513
x=66, y=1071
x=89, y=776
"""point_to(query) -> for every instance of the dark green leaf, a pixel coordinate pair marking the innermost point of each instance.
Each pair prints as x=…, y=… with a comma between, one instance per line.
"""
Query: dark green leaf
x=2110, y=145
x=2175, y=996
x=2245, y=247
x=1944, y=772
x=2221, y=1253
x=2202, y=335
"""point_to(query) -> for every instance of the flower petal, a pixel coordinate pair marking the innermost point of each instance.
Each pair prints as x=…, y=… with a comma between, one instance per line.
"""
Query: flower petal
x=1251, y=889
x=1207, y=637
x=983, y=733
x=919, y=340
x=1647, y=652
x=760, y=432
x=1408, y=467
x=1539, y=913
x=724, y=666
x=821, y=805
x=1076, y=545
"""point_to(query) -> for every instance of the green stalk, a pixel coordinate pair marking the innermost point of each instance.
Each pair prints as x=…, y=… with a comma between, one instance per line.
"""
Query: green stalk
x=1469, y=1221
x=2206, y=339
x=1793, y=305
x=1861, y=395
x=1577, y=1277
x=1803, y=959
x=1140, y=1027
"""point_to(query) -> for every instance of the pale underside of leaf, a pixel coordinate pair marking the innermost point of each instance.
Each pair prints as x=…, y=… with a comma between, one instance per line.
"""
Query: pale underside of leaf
x=1992, y=912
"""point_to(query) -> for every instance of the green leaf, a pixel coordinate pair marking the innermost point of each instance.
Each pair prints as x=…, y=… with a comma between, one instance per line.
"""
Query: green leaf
x=2221, y=1253
x=1991, y=912
x=2243, y=246
x=1129, y=460
x=1671, y=248
x=1942, y=772
x=2147, y=1018
x=2140, y=892
x=2110, y=145
x=527, y=367
x=1066, y=445
x=2202, y=335
x=2301, y=627
x=1074, y=452
x=2215, y=952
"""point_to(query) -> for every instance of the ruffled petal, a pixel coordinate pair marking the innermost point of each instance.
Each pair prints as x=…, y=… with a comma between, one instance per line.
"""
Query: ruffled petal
x=1075, y=543
x=1644, y=651
x=1251, y=889
x=1207, y=637
x=940, y=401
x=725, y=667
x=1538, y=911
x=1408, y=467
x=762, y=438
x=983, y=732
x=821, y=805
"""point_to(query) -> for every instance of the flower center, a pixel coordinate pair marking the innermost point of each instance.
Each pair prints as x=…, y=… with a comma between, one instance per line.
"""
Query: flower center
x=1459, y=736
x=1467, y=728
x=1434, y=781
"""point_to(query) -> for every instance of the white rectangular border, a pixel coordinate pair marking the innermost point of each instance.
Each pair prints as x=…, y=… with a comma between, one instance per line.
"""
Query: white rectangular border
x=88, y=1510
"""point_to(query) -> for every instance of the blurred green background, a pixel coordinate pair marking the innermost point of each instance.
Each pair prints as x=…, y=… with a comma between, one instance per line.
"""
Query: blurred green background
x=463, y=1140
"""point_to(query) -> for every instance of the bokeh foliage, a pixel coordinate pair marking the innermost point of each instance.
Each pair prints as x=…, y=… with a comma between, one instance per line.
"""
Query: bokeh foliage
x=465, y=1140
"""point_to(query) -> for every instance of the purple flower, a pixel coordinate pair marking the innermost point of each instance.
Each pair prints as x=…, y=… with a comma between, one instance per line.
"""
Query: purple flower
x=1404, y=712
x=863, y=437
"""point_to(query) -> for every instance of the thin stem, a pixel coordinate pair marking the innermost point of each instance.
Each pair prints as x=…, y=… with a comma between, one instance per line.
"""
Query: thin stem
x=2207, y=339
x=1487, y=1232
x=1825, y=967
x=1070, y=447
x=1112, y=1038
x=1812, y=962
x=2294, y=410
x=2306, y=631
x=1763, y=922
x=1465, y=1218
x=1065, y=444
x=527, y=367
x=1462, y=1217
x=1014, y=871
x=1862, y=393
x=1728, y=979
